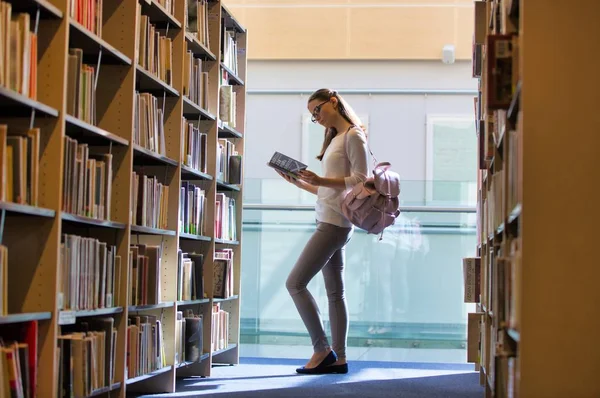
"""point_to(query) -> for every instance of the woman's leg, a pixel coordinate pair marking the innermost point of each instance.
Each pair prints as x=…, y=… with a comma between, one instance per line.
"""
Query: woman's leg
x=326, y=240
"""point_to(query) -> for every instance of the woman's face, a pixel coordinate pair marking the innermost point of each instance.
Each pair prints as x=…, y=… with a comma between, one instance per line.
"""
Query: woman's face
x=323, y=112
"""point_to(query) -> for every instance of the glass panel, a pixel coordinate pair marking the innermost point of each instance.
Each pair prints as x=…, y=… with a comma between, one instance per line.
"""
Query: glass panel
x=405, y=290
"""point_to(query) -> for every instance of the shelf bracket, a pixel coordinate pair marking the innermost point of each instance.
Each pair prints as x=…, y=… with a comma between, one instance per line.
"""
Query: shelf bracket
x=98, y=68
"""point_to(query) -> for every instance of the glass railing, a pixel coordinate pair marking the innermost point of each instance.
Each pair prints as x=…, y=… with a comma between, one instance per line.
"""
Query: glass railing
x=405, y=290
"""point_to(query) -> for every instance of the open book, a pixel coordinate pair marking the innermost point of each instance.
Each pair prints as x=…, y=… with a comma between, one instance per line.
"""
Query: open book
x=286, y=165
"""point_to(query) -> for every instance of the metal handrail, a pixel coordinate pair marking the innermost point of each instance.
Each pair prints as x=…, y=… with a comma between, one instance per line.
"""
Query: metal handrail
x=405, y=209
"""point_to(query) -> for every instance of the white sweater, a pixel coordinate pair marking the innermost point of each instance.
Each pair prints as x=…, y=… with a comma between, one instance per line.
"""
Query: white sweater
x=336, y=164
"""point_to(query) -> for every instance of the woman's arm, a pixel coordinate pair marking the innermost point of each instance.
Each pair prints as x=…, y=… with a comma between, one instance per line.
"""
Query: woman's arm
x=299, y=183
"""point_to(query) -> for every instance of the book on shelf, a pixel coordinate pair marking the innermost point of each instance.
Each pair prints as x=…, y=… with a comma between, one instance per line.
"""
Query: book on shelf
x=223, y=273
x=195, y=80
x=190, y=276
x=471, y=279
x=88, y=270
x=18, y=52
x=149, y=201
x=148, y=127
x=188, y=337
x=88, y=13
x=145, y=274
x=81, y=87
x=196, y=20
x=145, y=345
x=195, y=147
x=225, y=219
x=220, y=330
x=87, y=352
x=87, y=180
x=19, y=359
x=19, y=158
x=155, y=49
x=230, y=50
x=168, y=5
x=191, y=210
x=227, y=104
x=286, y=164
x=228, y=162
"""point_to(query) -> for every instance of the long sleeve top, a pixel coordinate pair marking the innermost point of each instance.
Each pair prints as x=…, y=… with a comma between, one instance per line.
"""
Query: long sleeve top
x=339, y=161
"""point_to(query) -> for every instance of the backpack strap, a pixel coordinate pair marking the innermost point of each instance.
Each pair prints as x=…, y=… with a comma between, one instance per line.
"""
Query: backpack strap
x=368, y=147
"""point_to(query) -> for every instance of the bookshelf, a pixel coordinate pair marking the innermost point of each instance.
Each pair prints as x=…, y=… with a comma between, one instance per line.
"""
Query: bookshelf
x=537, y=124
x=109, y=143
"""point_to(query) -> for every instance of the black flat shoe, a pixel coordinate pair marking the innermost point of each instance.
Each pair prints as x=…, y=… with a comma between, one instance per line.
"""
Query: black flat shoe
x=321, y=368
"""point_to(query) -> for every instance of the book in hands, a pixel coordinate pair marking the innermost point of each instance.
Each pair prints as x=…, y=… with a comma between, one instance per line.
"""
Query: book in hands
x=286, y=165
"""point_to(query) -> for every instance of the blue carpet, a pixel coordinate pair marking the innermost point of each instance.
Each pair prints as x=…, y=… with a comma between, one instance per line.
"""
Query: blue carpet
x=276, y=378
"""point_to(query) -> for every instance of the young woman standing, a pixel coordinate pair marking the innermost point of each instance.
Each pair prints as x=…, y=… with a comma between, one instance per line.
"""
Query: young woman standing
x=344, y=164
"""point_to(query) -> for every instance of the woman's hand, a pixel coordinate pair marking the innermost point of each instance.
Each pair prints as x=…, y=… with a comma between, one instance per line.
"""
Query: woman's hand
x=311, y=178
x=287, y=178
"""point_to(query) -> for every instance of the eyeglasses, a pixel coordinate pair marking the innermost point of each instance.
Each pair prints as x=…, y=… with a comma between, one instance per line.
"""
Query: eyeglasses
x=317, y=111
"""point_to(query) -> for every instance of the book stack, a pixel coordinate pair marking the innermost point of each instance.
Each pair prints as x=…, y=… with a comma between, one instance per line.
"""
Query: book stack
x=88, y=273
x=228, y=162
x=87, y=180
x=149, y=131
x=19, y=359
x=196, y=20
x=18, y=52
x=192, y=210
x=81, y=88
x=195, y=147
x=223, y=273
x=188, y=337
x=155, y=51
x=145, y=345
x=225, y=219
x=88, y=13
x=145, y=275
x=220, y=331
x=19, y=163
x=195, y=80
x=149, y=201
x=190, y=276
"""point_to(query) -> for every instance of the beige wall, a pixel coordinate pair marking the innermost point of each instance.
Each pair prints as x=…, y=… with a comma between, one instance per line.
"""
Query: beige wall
x=355, y=29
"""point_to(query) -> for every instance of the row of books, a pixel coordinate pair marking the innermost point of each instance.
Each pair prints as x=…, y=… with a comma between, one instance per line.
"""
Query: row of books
x=190, y=276
x=18, y=360
x=149, y=130
x=19, y=160
x=191, y=212
x=87, y=180
x=229, y=162
x=168, y=5
x=87, y=353
x=89, y=273
x=189, y=337
x=145, y=345
x=81, y=87
x=227, y=103
x=195, y=80
x=155, y=49
x=225, y=218
x=145, y=274
x=88, y=13
x=223, y=273
x=196, y=20
x=150, y=201
x=220, y=330
x=195, y=147
x=230, y=51
x=18, y=52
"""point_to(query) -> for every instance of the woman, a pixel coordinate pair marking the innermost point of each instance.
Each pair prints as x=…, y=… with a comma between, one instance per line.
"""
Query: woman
x=344, y=164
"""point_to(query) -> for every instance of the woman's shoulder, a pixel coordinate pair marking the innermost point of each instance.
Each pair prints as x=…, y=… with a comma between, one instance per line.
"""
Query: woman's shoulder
x=355, y=132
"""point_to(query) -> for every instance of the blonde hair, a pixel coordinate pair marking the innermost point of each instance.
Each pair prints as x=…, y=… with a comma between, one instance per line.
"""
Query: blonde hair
x=343, y=108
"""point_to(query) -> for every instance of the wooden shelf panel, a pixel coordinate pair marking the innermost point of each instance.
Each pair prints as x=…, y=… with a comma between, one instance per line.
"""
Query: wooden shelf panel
x=230, y=347
x=193, y=111
x=234, y=79
x=68, y=317
x=143, y=156
x=223, y=186
x=47, y=10
x=184, y=364
x=198, y=49
x=147, y=376
x=230, y=21
x=85, y=132
x=20, y=318
x=228, y=132
x=15, y=104
x=104, y=390
x=151, y=231
x=227, y=242
x=183, y=235
x=187, y=174
x=192, y=302
x=26, y=210
x=147, y=82
x=91, y=221
x=232, y=298
x=150, y=307
x=80, y=37
x=159, y=15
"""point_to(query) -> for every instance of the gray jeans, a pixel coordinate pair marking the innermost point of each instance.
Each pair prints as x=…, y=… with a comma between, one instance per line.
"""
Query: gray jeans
x=324, y=251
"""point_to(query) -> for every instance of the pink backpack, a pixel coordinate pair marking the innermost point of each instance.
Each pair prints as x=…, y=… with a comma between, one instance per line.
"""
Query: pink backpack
x=373, y=205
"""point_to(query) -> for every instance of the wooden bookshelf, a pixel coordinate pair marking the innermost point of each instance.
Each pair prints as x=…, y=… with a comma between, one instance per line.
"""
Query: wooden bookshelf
x=38, y=291
x=537, y=223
